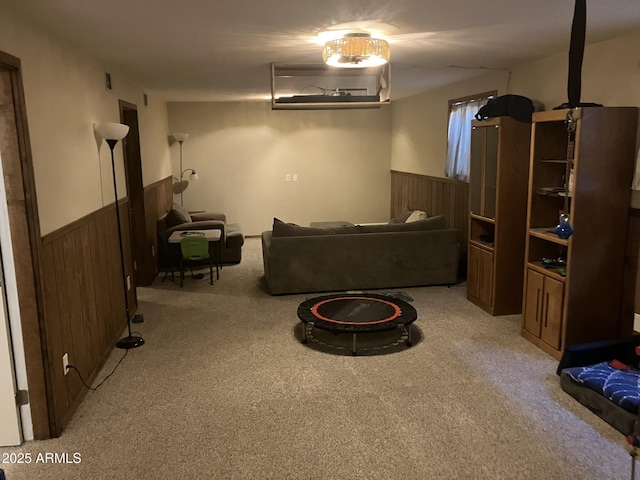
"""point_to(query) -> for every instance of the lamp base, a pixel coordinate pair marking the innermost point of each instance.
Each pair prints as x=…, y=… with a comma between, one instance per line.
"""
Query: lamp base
x=130, y=342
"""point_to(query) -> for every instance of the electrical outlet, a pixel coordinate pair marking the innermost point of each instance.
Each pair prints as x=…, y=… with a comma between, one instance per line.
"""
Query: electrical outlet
x=295, y=177
x=65, y=362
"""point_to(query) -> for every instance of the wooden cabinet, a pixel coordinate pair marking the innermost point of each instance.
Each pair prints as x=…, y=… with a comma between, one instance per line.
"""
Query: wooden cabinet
x=581, y=163
x=480, y=273
x=543, y=307
x=497, y=206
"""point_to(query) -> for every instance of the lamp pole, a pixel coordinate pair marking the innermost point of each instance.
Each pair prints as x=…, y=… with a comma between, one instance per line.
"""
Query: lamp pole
x=181, y=173
x=112, y=132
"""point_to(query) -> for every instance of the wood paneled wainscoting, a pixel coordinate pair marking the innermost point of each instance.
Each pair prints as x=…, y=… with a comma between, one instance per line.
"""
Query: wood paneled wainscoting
x=436, y=196
x=158, y=198
x=84, y=311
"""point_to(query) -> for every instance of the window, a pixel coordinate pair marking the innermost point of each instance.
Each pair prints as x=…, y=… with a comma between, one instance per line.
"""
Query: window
x=461, y=112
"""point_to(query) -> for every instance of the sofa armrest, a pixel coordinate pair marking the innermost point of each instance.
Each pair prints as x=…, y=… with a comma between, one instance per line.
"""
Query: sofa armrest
x=266, y=255
x=205, y=216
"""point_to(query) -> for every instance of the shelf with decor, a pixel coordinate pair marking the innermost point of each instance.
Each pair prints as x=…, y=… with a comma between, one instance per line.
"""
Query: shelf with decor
x=549, y=234
x=482, y=231
x=581, y=165
x=497, y=200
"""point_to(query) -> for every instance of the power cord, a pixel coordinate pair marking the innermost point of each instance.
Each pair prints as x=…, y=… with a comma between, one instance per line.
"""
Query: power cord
x=73, y=367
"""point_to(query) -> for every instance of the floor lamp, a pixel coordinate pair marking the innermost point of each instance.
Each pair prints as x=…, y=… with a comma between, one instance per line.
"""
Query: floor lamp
x=180, y=138
x=112, y=132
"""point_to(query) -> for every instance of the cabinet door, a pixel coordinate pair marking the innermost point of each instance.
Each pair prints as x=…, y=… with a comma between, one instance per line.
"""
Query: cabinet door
x=552, y=318
x=486, y=277
x=480, y=275
x=476, y=170
x=490, y=171
x=483, y=171
x=533, y=302
x=473, y=272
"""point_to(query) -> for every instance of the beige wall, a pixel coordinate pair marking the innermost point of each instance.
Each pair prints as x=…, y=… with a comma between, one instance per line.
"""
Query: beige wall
x=65, y=96
x=419, y=132
x=610, y=76
x=242, y=152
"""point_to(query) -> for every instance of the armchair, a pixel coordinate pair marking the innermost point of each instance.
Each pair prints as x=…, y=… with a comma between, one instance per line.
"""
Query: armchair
x=178, y=218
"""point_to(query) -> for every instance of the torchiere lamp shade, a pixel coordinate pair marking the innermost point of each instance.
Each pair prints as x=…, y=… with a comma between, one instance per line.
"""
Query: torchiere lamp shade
x=112, y=130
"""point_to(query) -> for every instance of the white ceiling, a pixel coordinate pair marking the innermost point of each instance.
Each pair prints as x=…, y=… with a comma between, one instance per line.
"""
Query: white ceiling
x=222, y=49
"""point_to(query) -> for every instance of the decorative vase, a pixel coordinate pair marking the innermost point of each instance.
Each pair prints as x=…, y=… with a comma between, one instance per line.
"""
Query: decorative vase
x=564, y=229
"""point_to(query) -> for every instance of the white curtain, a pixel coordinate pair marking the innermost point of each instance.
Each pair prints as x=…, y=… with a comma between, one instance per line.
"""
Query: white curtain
x=459, y=147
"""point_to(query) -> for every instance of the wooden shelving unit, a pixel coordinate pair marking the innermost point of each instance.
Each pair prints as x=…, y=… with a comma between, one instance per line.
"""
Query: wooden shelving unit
x=497, y=202
x=583, y=301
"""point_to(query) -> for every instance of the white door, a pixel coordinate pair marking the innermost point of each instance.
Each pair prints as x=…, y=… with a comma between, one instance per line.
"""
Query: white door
x=10, y=429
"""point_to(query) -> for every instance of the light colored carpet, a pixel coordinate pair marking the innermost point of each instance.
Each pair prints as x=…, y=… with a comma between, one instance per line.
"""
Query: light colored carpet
x=222, y=390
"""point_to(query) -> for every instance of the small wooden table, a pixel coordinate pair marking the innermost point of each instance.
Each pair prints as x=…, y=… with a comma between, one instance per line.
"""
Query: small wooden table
x=213, y=236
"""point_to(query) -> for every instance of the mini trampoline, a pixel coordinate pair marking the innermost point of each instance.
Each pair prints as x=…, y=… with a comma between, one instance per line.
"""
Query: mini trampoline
x=355, y=314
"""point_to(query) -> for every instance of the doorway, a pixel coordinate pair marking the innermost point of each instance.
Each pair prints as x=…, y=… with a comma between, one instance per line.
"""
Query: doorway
x=21, y=247
x=10, y=425
x=140, y=247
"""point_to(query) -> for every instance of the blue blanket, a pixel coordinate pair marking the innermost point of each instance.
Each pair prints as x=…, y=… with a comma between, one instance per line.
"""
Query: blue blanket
x=620, y=386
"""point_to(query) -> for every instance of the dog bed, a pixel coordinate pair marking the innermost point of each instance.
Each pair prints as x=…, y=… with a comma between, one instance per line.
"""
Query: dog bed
x=601, y=377
x=608, y=389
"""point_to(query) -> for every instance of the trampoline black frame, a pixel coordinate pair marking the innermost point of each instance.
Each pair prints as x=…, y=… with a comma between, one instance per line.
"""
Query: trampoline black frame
x=404, y=316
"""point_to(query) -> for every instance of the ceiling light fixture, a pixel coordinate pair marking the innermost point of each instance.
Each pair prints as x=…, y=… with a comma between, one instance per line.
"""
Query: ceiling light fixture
x=356, y=50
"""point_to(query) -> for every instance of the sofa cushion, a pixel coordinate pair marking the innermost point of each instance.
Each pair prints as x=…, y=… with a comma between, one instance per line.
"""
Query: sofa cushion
x=176, y=216
x=433, y=223
x=334, y=224
x=282, y=229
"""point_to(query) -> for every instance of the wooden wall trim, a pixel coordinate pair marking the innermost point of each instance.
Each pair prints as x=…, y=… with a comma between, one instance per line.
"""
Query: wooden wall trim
x=436, y=196
x=84, y=308
x=70, y=227
x=158, y=198
x=160, y=183
x=429, y=177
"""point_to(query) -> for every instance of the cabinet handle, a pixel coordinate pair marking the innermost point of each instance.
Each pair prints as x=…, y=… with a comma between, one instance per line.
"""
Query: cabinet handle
x=546, y=307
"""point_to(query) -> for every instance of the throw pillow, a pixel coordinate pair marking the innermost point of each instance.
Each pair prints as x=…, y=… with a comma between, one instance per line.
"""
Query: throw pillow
x=402, y=218
x=416, y=215
x=177, y=216
x=183, y=212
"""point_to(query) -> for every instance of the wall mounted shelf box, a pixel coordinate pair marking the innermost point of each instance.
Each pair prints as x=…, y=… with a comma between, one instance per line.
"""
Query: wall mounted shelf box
x=318, y=86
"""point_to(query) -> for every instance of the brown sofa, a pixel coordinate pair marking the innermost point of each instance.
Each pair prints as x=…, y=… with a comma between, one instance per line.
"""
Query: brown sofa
x=306, y=259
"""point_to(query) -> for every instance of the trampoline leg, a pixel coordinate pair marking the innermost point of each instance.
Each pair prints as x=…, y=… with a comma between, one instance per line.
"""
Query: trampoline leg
x=409, y=343
x=304, y=332
x=354, y=350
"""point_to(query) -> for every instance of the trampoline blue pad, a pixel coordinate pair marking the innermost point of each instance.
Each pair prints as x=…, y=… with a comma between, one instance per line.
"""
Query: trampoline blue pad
x=622, y=387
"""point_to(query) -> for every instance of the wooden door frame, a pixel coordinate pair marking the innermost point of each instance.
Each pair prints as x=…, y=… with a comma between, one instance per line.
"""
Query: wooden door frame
x=136, y=216
x=27, y=244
